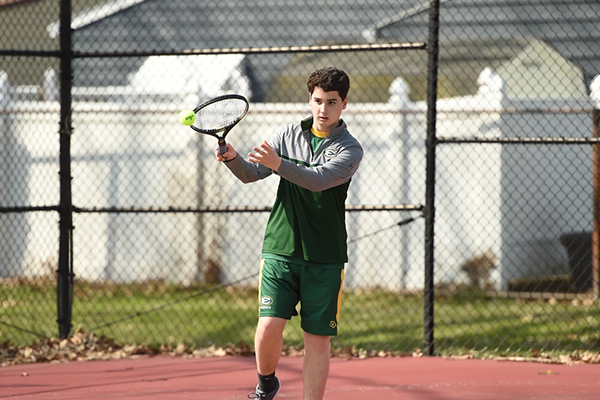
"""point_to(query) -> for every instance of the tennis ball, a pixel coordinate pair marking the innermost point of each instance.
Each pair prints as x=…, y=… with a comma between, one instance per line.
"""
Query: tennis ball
x=187, y=117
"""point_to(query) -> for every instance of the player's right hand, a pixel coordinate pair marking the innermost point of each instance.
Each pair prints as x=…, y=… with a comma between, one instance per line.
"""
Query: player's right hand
x=229, y=155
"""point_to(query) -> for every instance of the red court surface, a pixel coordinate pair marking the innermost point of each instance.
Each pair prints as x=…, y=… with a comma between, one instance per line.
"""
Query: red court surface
x=164, y=377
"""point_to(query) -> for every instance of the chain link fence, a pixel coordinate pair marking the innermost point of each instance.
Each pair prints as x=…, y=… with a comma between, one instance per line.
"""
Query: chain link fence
x=162, y=244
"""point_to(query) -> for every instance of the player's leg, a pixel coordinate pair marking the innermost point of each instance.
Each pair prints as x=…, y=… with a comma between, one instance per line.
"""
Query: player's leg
x=278, y=296
x=320, y=298
x=316, y=366
x=268, y=343
x=277, y=303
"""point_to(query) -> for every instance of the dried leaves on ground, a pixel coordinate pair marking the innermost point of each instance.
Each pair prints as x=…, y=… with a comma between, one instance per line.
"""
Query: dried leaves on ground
x=87, y=346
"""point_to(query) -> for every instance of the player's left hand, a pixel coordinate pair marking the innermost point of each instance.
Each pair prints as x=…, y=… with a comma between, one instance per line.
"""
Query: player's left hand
x=265, y=155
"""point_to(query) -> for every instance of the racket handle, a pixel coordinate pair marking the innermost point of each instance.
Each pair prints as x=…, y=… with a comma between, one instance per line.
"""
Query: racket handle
x=222, y=146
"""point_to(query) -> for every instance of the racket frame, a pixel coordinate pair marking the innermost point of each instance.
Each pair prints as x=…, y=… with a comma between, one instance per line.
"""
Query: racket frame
x=221, y=133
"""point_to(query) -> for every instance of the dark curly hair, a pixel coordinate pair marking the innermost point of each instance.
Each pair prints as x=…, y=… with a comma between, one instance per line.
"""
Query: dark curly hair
x=329, y=79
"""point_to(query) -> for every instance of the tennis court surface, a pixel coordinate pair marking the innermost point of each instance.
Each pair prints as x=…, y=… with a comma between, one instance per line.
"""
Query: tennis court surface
x=429, y=378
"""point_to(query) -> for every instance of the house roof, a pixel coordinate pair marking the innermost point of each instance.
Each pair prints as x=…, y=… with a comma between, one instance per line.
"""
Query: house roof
x=571, y=27
x=460, y=64
x=475, y=33
x=8, y=2
x=23, y=26
x=156, y=25
x=480, y=31
x=97, y=12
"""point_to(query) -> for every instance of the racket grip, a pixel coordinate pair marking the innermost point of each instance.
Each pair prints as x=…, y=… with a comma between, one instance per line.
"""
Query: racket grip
x=222, y=146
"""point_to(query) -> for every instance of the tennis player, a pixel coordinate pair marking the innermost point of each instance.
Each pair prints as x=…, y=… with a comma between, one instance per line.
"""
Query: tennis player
x=305, y=243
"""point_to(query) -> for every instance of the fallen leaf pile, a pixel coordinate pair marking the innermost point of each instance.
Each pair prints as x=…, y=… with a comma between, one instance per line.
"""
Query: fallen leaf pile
x=87, y=346
x=576, y=357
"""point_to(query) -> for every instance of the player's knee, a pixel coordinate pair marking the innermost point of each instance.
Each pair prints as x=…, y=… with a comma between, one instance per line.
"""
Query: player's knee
x=270, y=326
x=317, y=340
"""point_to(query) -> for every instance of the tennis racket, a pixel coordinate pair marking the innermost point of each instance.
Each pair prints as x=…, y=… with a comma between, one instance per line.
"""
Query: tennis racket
x=218, y=116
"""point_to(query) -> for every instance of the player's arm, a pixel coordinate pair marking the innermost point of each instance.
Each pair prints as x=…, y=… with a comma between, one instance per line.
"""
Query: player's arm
x=244, y=170
x=331, y=174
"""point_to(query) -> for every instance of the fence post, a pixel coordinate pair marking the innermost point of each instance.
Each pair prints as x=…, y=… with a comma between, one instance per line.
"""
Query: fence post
x=595, y=94
x=430, y=143
x=4, y=84
x=64, y=290
x=399, y=91
x=51, y=92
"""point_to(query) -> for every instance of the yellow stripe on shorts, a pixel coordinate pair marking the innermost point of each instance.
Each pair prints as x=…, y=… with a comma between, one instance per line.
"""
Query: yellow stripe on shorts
x=339, y=304
x=260, y=273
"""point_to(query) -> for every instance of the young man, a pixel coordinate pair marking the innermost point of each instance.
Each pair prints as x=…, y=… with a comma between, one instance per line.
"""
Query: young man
x=304, y=248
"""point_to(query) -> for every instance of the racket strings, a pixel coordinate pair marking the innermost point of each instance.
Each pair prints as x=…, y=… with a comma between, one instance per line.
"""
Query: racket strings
x=220, y=115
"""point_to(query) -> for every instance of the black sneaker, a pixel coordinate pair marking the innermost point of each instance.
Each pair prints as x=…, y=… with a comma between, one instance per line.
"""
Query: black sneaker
x=259, y=394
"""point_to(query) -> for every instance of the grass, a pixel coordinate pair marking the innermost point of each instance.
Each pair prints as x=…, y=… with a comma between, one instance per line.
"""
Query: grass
x=157, y=313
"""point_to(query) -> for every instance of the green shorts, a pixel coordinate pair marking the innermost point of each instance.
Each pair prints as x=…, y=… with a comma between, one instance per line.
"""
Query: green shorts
x=318, y=290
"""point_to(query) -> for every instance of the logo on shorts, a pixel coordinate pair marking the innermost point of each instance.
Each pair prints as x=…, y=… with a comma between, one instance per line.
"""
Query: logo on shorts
x=266, y=302
x=332, y=324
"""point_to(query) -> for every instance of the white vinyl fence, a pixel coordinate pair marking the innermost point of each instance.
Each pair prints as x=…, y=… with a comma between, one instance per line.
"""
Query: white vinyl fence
x=136, y=154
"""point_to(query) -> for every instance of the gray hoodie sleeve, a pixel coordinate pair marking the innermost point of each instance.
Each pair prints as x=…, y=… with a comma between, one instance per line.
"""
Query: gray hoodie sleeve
x=331, y=174
x=247, y=171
